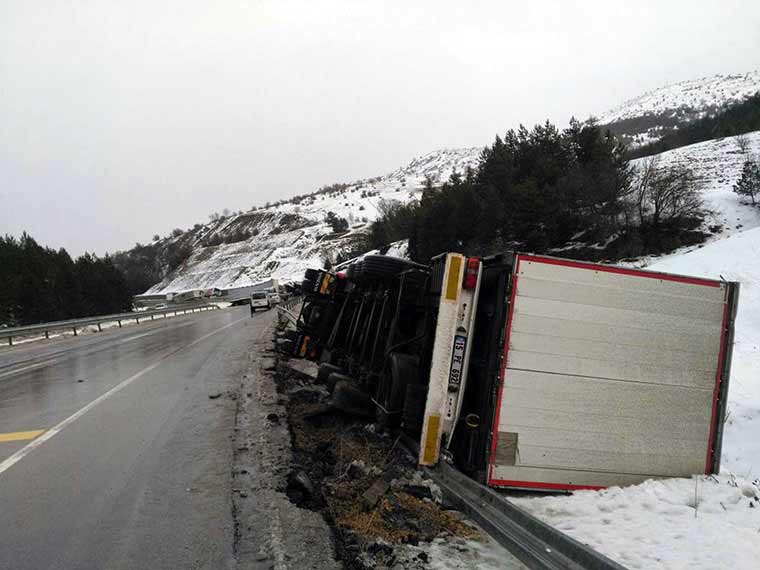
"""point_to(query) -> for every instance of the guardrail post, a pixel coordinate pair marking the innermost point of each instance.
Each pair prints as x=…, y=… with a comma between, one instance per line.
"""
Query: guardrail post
x=10, y=341
x=47, y=334
x=99, y=329
x=118, y=321
x=151, y=317
x=75, y=331
x=138, y=320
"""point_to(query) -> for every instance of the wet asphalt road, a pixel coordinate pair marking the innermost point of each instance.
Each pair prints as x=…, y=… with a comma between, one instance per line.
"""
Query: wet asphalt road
x=112, y=454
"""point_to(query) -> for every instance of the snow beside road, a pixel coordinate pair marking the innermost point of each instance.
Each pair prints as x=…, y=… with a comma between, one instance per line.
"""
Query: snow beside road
x=705, y=523
x=701, y=523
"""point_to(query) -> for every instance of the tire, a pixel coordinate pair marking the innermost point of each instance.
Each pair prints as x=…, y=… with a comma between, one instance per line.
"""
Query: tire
x=404, y=368
x=315, y=315
x=324, y=371
x=311, y=275
x=334, y=377
x=401, y=372
x=349, y=399
x=290, y=335
x=358, y=271
x=308, y=286
x=414, y=408
x=379, y=266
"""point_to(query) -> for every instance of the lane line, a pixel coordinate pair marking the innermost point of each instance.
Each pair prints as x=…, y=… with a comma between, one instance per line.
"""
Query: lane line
x=96, y=345
x=55, y=430
x=20, y=435
x=30, y=367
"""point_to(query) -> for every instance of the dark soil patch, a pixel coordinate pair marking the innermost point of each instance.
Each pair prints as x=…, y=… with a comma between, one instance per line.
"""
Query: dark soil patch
x=336, y=459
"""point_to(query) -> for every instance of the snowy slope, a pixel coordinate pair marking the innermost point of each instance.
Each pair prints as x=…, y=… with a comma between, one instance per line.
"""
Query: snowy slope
x=293, y=235
x=717, y=164
x=696, y=94
x=705, y=522
x=647, y=117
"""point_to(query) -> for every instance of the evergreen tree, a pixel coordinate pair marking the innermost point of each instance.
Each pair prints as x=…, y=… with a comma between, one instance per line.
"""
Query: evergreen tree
x=749, y=183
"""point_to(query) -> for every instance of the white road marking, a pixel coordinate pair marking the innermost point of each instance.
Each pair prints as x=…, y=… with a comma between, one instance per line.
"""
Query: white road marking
x=52, y=432
x=98, y=348
x=30, y=367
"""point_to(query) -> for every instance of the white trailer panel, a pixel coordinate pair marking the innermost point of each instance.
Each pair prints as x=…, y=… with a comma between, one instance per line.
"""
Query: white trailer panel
x=610, y=376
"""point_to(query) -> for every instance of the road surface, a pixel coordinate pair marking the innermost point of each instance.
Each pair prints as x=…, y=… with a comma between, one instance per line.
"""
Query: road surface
x=112, y=453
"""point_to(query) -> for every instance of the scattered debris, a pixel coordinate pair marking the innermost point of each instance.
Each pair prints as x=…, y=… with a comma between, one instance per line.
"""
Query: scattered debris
x=214, y=395
x=366, y=487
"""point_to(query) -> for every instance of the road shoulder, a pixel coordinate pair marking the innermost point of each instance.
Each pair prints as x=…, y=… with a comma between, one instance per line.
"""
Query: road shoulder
x=270, y=531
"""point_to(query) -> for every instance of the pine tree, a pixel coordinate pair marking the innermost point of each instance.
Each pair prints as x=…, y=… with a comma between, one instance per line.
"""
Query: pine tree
x=749, y=183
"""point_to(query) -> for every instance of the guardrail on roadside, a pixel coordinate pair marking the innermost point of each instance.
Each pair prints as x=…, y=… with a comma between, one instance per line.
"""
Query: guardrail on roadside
x=285, y=310
x=291, y=302
x=74, y=324
x=536, y=544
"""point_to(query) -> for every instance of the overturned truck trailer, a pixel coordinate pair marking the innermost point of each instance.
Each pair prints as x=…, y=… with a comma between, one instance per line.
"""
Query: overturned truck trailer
x=535, y=372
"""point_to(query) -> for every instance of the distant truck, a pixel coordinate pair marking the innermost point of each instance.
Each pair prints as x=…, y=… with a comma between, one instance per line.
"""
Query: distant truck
x=185, y=296
x=242, y=295
x=530, y=371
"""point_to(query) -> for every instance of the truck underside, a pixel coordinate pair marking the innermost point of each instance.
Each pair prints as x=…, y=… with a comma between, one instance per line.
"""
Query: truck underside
x=529, y=371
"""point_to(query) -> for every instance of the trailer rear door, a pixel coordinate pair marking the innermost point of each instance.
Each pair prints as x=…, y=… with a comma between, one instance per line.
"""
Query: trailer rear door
x=610, y=376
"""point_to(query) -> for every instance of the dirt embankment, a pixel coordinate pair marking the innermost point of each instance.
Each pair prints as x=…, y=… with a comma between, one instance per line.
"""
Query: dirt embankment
x=360, y=480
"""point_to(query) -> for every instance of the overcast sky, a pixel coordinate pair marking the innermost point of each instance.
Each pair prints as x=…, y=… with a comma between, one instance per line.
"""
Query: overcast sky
x=119, y=120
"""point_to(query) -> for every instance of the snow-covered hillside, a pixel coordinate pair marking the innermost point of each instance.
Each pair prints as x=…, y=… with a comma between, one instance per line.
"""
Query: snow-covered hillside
x=717, y=164
x=287, y=238
x=290, y=237
x=648, y=117
x=698, y=95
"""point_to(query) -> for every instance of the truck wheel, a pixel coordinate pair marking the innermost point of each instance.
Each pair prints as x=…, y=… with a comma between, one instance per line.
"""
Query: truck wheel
x=349, y=399
x=334, y=377
x=358, y=270
x=414, y=408
x=403, y=372
x=311, y=274
x=324, y=371
x=377, y=266
x=290, y=335
x=308, y=286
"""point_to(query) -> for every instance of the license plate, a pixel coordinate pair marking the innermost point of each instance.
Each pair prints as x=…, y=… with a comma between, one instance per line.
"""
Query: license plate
x=457, y=362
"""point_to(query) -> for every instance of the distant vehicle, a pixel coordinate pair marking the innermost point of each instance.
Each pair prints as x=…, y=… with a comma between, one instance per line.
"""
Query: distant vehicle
x=261, y=300
x=274, y=297
x=186, y=296
x=159, y=306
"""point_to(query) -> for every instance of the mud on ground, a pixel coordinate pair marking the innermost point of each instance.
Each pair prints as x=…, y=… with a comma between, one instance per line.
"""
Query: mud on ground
x=362, y=481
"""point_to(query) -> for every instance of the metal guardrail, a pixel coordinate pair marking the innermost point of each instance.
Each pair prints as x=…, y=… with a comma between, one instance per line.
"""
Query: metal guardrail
x=285, y=309
x=74, y=324
x=536, y=544
x=291, y=302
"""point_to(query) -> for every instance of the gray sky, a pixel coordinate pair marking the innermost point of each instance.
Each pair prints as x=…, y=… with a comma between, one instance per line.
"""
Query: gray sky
x=119, y=120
